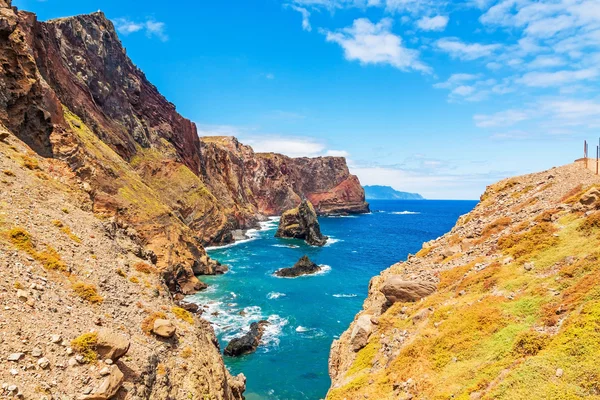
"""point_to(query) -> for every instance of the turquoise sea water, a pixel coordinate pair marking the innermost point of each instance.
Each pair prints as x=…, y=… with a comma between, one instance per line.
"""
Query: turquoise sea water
x=307, y=313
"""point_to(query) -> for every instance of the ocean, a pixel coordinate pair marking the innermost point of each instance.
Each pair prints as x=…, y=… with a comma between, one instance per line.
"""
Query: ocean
x=307, y=313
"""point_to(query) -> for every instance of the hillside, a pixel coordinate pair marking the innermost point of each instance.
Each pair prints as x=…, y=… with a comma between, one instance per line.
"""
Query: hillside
x=505, y=306
x=377, y=192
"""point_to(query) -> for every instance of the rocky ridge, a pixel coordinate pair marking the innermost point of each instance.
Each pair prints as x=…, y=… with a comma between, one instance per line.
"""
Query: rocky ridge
x=301, y=223
x=304, y=266
x=506, y=305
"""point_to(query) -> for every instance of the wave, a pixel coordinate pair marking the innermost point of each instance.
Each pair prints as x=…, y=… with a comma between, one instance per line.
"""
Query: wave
x=405, y=212
x=290, y=246
x=310, y=333
x=275, y=295
x=251, y=234
x=331, y=241
x=273, y=331
x=344, y=295
x=301, y=328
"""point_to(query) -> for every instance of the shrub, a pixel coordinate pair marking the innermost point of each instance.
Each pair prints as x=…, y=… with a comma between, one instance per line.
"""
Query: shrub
x=186, y=352
x=30, y=162
x=86, y=346
x=573, y=195
x=148, y=322
x=8, y=172
x=65, y=210
x=539, y=237
x=49, y=258
x=144, y=268
x=120, y=272
x=134, y=279
x=496, y=226
x=590, y=224
x=18, y=285
x=183, y=314
x=87, y=292
x=529, y=343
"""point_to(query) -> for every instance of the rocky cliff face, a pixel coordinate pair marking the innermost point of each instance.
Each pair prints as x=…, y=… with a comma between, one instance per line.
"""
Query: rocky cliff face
x=71, y=93
x=505, y=306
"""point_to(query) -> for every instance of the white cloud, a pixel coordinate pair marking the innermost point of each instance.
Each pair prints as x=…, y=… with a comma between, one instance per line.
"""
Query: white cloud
x=437, y=23
x=152, y=28
x=466, y=51
x=305, y=16
x=557, y=78
x=456, y=79
x=502, y=118
x=546, y=61
x=337, y=153
x=371, y=43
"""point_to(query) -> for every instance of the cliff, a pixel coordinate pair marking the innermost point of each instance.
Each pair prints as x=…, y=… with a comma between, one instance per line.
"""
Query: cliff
x=73, y=94
x=504, y=306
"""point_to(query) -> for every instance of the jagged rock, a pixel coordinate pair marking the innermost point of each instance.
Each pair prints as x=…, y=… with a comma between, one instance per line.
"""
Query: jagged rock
x=301, y=223
x=36, y=352
x=361, y=332
x=22, y=295
x=304, y=266
x=191, y=307
x=109, y=386
x=15, y=356
x=247, y=343
x=111, y=345
x=43, y=363
x=396, y=289
x=164, y=328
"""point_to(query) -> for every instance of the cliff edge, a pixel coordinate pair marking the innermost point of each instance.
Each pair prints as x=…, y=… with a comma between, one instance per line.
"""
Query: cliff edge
x=506, y=305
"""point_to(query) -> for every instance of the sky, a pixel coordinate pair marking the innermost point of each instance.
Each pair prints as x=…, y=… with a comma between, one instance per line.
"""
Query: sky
x=436, y=97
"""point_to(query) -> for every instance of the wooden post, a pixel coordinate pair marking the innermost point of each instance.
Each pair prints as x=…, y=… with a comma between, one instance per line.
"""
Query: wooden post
x=597, y=157
x=585, y=153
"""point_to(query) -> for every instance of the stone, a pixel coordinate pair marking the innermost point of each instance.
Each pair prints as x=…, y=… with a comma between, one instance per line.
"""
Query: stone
x=361, y=332
x=22, y=295
x=104, y=371
x=55, y=339
x=559, y=372
x=12, y=388
x=191, y=307
x=301, y=223
x=36, y=352
x=248, y=343
x=304, y=266
x=396, y=289
x=43, y=363
x=528, y=266
x=15, y=357
x=590, y=197
x=164, y=328
x=109, y=386
x=111, y=344
x=72, y=362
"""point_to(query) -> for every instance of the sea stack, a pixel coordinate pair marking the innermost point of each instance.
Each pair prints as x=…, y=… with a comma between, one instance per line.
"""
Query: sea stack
x=301, y=223
x=249, y=342
x=304, y=266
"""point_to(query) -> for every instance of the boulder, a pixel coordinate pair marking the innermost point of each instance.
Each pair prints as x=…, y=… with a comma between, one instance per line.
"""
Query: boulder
x=163, y=328
x=111, y=345
x=361, y=332
x=301, y=223
x=590, y=197
x=191, y=307
x=304, y=266
x=247, y=343
x=396, y=289
x=109, y=386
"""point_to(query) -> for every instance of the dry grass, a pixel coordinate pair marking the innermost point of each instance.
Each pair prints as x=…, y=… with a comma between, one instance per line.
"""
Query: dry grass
x=49, y=257
x=87, y=292
x=530, y=242
x=86, y=346
x=144, y=268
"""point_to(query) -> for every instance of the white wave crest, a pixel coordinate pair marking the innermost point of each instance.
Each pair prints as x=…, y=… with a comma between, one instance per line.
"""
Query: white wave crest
x=405, y=212
x=275, y=295
x=344, y=295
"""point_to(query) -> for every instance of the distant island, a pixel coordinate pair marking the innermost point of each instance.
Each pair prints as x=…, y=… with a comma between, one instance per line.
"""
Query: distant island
x=377, y=192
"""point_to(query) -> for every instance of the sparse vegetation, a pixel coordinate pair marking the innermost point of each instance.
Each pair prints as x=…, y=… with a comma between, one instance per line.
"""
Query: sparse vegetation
x=8, y=172
x=49, y=258
x=29, y=162
x=183, y=315
x=529, y=343
x=539, y=237
x=134, y=279
x=121, y=273
x=187, y=352
x=86, y=346
x=87, y=292
x=144, y=268
x=67, y=231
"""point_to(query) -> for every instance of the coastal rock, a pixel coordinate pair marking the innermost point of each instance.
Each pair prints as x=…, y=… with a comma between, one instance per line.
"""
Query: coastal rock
x=109, y=386
x=247, y=343
x=111, y=344
x=164, y=328
x=301, y=223
x=397, y=289
x=304, y=266
x=361, y=332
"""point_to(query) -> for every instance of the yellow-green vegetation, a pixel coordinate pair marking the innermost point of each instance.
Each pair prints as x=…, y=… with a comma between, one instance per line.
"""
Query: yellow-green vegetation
x=591, y=224
x=18, y=285
x=183, y=315
x=65, y=210
x=134, y=279
x=120, y=272
x=49, y=257
x=86, y=346
x=148, y=322
x=144, y=268
x=187, y=352
x=87, y=292
x=66, y=230
x=29, y=162
x=507, y=333
x=424, y=251
x=539, y=237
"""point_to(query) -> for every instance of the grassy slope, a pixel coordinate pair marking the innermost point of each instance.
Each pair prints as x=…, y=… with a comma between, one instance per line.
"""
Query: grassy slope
x=501, y=332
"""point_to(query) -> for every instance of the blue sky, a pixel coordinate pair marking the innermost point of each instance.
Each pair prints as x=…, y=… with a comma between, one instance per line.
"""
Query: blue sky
x=440, y=98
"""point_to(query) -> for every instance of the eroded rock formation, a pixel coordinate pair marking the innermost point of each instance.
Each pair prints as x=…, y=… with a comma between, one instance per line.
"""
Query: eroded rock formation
x=304, y=266
x=247, y=343
x=301, y=223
